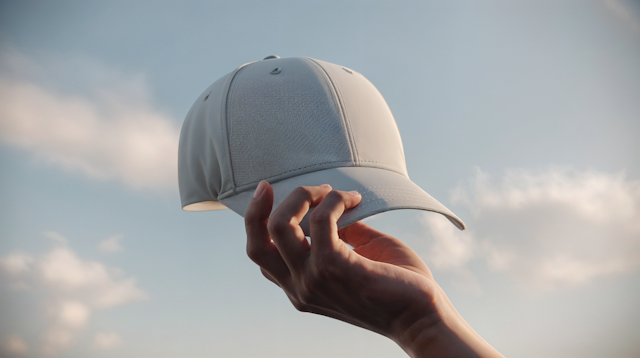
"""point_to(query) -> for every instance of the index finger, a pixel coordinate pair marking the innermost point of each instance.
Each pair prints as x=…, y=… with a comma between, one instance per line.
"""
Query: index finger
x=284, y=223
x=260, y=249
x=324, y=219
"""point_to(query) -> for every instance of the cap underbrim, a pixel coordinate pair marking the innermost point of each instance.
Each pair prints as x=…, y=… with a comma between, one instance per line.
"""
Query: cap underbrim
x=382, y=190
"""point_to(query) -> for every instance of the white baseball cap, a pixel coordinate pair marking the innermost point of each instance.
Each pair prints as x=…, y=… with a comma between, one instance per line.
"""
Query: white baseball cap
x=293, y=122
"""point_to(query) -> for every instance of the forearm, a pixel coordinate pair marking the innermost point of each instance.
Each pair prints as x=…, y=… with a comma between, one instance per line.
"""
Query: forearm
x=442, y=333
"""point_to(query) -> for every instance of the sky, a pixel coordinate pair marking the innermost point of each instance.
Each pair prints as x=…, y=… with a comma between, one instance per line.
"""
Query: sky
x=520, y=116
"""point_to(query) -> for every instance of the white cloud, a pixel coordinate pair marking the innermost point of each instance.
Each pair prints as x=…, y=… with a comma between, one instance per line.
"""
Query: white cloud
x=16, y=264
x=14, y=346
x=107, y=129
x=55, y=237
x=451, y=250
x=67, y=319
x=74, y=313
x=546, y=228
x=105, y=341
x=73, y=288
x=63, y=271
x=112, y=244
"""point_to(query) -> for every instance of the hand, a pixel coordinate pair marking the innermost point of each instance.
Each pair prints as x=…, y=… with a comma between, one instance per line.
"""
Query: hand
x=381, y=285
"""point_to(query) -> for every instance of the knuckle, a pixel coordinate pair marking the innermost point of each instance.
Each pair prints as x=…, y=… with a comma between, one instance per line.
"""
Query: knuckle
x=302, y=192
x=306, y=298
x=253, y=214
x=312, y=288
x=319, y=216
x=252, y=223
x=278, y=226
x=334, y=194
x=298, y=305
x=254, y=252
x=249, y=219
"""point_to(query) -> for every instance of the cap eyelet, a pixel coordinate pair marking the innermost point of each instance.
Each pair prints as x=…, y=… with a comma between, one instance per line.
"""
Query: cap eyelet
x=348, y=70
x=276, y=70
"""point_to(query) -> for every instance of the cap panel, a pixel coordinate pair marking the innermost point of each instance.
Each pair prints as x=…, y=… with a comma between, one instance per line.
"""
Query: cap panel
x=202, y=164
x=373, y=128
x=283, y=122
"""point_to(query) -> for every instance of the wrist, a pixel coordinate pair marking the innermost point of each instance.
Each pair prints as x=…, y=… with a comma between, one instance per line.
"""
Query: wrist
x=437, y=330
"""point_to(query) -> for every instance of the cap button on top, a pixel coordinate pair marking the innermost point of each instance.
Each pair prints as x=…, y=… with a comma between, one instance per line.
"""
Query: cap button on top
x=270, y=57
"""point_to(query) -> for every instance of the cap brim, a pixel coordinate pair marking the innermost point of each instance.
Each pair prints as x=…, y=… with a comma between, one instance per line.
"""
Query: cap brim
x=382, y=190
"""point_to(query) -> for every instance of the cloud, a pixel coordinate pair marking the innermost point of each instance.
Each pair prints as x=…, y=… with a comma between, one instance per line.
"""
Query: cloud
x=106, y=341
x=73, y=288
x=451, y=250
x=14, y=346
x=84, y=117
x=55, y=237
x=546, y=228
x=111, y=244
x=16, y=264
x=67, y=319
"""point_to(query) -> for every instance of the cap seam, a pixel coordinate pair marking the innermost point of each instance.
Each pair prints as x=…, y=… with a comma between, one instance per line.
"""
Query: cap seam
x=225, y=113
x=249, y=186
x=324, y=163
x=404, y=159
x=343, y=113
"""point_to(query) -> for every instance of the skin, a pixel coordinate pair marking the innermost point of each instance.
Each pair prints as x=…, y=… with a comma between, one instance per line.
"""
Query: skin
x=381, y=285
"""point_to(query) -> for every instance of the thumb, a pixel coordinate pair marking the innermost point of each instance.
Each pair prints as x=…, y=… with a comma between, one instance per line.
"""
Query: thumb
x=257, y=214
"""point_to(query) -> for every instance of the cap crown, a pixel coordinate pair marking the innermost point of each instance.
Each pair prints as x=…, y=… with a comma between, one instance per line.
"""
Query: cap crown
x=279, y=118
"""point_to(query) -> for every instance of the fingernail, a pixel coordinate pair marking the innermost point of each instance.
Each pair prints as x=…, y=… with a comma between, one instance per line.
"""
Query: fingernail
x=325, y=186
x=354, y=192
x=259, y=189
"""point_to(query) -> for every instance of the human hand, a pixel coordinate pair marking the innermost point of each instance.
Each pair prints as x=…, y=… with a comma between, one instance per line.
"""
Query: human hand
x=381, y=285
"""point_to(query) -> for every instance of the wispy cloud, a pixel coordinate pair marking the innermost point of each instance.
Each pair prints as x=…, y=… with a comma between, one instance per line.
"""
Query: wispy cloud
x=546, y=228
x=73, y=288
x=55, y=237
x=104, y=340
x=14, y=346
x=112, y=244
x=451, y=250
x=95, y=121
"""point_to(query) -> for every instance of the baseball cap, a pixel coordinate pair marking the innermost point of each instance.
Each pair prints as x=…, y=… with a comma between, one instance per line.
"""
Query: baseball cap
x=295, y=122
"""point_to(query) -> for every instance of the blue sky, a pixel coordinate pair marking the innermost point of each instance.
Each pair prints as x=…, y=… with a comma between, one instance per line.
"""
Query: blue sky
x=522, y=117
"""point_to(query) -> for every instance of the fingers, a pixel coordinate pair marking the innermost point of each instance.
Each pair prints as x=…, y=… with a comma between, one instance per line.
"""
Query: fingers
x=378, y=246
x=260, y=248
x=284, y=228
x=323, y=220
x=277, y=243
x=359, y=234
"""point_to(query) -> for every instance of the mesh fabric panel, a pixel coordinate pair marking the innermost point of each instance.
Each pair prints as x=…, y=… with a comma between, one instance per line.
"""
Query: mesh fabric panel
x=285, y=122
